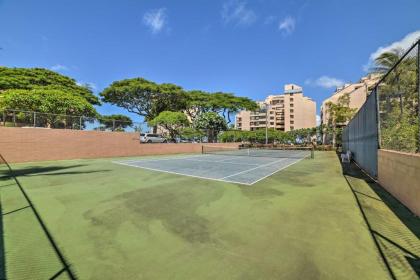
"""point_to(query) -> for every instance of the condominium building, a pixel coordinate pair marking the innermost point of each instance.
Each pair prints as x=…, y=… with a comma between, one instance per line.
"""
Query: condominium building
x=288, y=111
x=358, y=92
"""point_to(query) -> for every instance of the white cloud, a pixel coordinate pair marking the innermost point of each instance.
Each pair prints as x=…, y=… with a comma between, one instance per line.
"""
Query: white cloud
x=318, y=120
x=238, y=13
x=325, y=82
x=404, y=44
x=287, y=25
x=92, y=86
x=59, y=67
x=155, y=20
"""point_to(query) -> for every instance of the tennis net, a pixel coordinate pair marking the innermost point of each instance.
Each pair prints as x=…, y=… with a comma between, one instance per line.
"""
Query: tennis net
x=273, y=152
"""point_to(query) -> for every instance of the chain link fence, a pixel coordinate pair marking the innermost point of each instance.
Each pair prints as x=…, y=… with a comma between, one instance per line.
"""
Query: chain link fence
x=19, y=118
x=389, y=119
x=398, y=104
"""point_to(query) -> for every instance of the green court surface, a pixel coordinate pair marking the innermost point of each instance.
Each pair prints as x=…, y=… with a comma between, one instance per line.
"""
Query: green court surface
x=118, y=222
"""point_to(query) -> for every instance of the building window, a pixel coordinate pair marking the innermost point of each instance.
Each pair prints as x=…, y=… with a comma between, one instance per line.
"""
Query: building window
x=292, y=127
x=291, y=104
x=291, y=111
x=292, y=122
x=239, y=119
x=271, y=123
x=291, y=99
x=292, y=116
x=271, y=118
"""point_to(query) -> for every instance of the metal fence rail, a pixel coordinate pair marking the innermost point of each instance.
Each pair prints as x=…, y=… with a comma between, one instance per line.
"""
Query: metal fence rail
x=390, y=117
x=20, y=118
x=361, y=136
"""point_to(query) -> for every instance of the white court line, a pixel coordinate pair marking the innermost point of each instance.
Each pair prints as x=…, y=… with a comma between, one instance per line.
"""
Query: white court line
x=218, y=161
x=176, y=173
x=190, y=158
x=276, y=171
x=157, y=159
x=260, y=166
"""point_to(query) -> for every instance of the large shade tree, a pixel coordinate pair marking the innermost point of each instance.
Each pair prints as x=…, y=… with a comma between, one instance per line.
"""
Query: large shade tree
x=212, y=123
x=145, y=98
x=52, y=106
x=172, y=122
x=115, y=122
x=39, y=78
x=226, y=104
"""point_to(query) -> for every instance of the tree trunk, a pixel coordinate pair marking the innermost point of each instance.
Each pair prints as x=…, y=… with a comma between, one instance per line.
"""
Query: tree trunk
x=334, y=133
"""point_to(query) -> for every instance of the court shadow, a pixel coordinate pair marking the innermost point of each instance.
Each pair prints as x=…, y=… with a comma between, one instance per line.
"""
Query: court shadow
x=393, y=227
x=47, y=171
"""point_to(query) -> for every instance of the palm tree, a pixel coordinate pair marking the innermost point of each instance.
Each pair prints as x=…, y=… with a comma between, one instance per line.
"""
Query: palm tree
x=385, y=61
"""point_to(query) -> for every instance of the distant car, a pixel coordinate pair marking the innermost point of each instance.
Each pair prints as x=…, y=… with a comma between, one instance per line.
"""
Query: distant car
x=152, y=138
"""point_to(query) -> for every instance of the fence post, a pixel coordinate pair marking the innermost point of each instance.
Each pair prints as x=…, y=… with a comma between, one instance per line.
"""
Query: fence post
x=4, y=118
x=418, y=90
x=14, y=119
x=34, y=119
x=80, y=123
x=378, y=114
x=113, y=125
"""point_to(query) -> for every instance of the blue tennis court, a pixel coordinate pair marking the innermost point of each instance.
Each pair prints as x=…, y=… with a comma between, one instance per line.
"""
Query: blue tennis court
x=245, y=166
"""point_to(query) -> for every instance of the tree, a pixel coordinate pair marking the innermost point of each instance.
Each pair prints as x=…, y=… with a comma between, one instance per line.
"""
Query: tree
x=49, y=102
x=145, y=98
x=385, y=61
x=199, y=102
x=191, y=133
x=398, y=101
x=38, y=78
x=339, y=113
x=115, y=122
x=212, y=123
x=173, y=122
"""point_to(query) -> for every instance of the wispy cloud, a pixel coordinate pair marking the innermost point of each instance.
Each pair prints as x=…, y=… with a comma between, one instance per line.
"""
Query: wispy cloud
x=59, y=67
x=287, y=25
x=238, y=13
x=269, y=19
x=404, y=44
x=156, y=20
x=90, y=85
x=325, y=82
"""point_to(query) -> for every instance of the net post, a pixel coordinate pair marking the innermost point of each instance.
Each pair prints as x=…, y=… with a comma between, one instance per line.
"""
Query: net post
x=202, y=149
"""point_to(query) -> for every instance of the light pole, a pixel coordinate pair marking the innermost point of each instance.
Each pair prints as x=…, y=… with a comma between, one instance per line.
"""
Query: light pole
x=265, y=108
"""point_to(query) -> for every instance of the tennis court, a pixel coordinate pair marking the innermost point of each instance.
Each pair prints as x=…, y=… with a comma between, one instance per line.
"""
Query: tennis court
x=236, y=165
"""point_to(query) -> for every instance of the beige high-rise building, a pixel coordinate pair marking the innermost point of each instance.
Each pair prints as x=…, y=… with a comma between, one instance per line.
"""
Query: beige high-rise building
x=358, y=93
x=288, y=111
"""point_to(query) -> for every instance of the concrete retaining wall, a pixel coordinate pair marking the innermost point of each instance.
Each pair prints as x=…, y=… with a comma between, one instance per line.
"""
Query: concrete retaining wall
x=399, y=174
x=39, y=144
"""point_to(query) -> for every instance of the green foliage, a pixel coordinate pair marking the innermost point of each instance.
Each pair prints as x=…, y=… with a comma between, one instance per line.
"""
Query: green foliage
x=38, y=78
x=191, y=133
x=144, y=97
x=115, y=122
x=199, y=102
x=399, y=102
x=173, y=122
x=49, y=102
x=339, y=113
x=274, y=136
x=211, y=122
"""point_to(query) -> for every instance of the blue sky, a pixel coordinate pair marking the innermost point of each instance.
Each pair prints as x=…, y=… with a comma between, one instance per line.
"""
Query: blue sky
x=250, y=48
